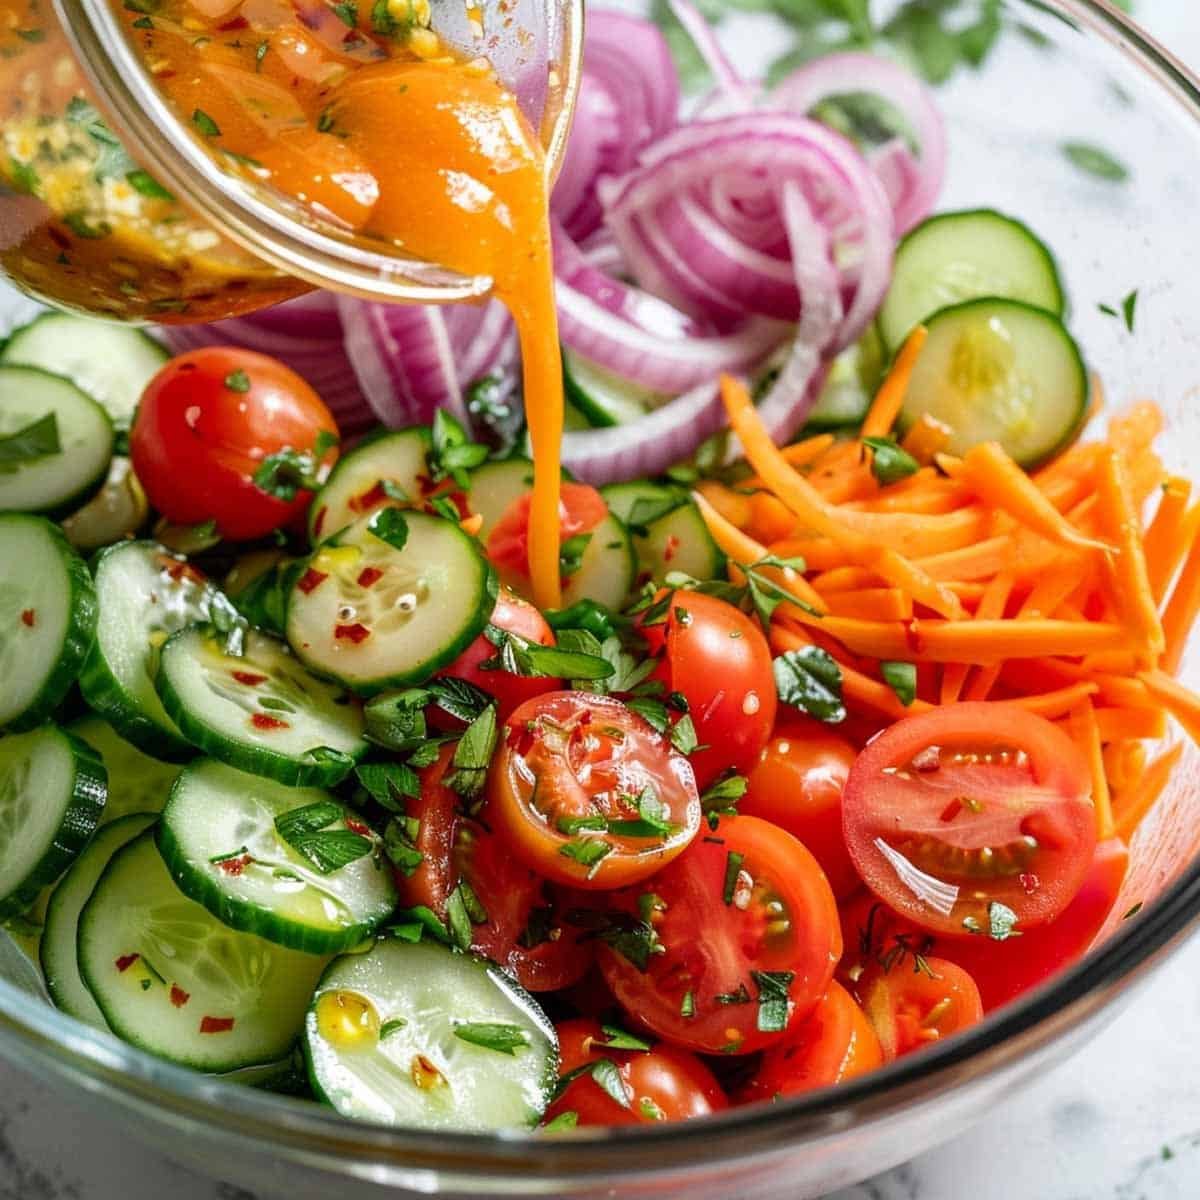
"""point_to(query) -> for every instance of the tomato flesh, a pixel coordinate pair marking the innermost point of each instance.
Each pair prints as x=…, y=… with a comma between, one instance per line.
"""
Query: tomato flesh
x=588, y=794
x=971, y=819
x=205, y=424
x=742, y=917
x=661, y=1083
x=580, y=509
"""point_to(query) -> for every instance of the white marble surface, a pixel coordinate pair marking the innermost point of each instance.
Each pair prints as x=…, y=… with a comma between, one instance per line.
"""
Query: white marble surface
x=1121, y=1121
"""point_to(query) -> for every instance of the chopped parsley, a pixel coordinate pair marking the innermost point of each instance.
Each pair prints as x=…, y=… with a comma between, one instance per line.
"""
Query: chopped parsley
x=205, y=124
x=35, y=441
x=306, y=831
x=1095, y=161
x=901, y=677
x=733, y=867
x=811, y=680
x=773, y=1004
x=473, y=755
x=237, y=381
x=504, y=1039
x=890, y=463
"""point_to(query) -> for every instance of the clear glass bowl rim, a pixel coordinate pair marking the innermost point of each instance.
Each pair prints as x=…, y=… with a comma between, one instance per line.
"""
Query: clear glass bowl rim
x=301, y=1129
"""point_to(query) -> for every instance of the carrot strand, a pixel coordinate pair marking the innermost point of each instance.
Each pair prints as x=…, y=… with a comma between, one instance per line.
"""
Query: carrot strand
x=885, y=408
x=1168, y=536
x=1087, y=733
x=1146, y=792
x=1180, y=614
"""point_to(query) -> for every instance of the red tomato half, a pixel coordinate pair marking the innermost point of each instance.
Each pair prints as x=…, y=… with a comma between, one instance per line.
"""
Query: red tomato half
x=797, y=784
x=524, y=929
x=587, y=793
x=205, y=424
x=917, y=1002
x=513, y=615
x=580, y=509
x=659, y=1084
x=719, y=661
x=971, y=814
x=745, y=938
x=835, y=1044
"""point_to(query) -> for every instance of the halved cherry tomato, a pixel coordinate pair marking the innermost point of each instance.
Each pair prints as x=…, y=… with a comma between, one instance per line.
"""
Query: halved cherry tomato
x=205, y=424
x=580, y=509
x=717, y=659
x=661, y=1083
x=835, y=1044
x=730, y=946
x=513, y=615
x=587, y=793
x=797, y=784
x=916, y=1002
x=969, y=816
x=525, y=929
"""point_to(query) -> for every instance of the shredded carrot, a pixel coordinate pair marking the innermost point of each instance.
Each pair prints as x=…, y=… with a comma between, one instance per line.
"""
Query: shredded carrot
x=991, y=608
x=1119, y=723
x=1124, y=762
x=997, y=480
x=1169, y=536
x=1182, y=609
x=872, y=604
x=1057, y=703
x=1145, y=793
x=1180, y=701
x=885, y=408
x=800, y=454
x=1087, y=734
x=822, y=517
x=926, y=437
x=845, y=579
x=735, y=507
x=1120, y=691
x=769, y=520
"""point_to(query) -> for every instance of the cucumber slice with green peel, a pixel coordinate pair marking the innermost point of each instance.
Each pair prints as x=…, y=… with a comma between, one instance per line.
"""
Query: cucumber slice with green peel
x=145, y=595
x=959, y=256
x=669, y=534
x=219, y=839
x=52, y=789
x=259, y=711
x=372, y=616
x=173, y=980
x=60, y=963
x=424, y=1036
x=607, y=568
x=602, y=398
x=137, y=783
x=112, y=363
x=392, y=461
x=48, y=616
x=1000, y=370
x=118, y=510
x=495, y=486
x=850, y=385
x=55, y=443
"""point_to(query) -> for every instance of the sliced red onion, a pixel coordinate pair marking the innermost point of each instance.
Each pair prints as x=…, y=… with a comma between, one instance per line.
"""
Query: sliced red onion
x=595, y=136
x=736, y=93
x=914, y=184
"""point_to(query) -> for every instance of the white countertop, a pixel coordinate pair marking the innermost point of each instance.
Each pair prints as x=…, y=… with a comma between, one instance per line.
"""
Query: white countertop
x=1120, y=1121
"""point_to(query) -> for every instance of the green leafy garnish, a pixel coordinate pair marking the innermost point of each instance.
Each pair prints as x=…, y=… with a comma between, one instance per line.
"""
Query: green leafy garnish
x=399, y=844
x=564, y=1120
x=389, y=783
x=571, y=552
x=773, y=1004
x=504, y=1039
x=901, y=677
x=146, y=185
x=473, y=755
x=519, y=656
x=646, y=510
x=733, y=868
x=890, y=463
x=389, y=1027
x=237, y=381
x=811, y=680
x=205, y=123
x=287, y=472
x=767, y=595
x=37, y=440
x=1095, y=161
x=588, y=852
x=389, y=526
x=651, y=821
x=453, y=454
x=618, y=1039
x=305, y=830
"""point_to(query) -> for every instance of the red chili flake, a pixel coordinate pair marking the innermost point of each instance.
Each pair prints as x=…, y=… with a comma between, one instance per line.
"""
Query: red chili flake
x=126, y=961
x=216, y=1024
x=426, y=484
x=177, y=570
x=311, y=580
x=671, y=548
x=358, y=827
x=371, y=498
x=178, y=996
x=951, y=810
x=249, y=678
x=319, y=522
x=234, y=866
x=355, y=633
x=912, y=634
x=266, y=721
x=28, y=617
x=369, y=576
x=1029, y=881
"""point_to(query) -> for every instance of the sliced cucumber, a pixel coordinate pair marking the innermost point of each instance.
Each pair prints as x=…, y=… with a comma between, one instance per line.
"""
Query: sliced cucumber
x=372, y=617
x=959, y=256
x=137, y=783
x=669, y=534
x=602, y=398
x=258, y=587
x=172, y=979
x=219, y=840
x=999, y=370
x=112, y=363
x=47, y=618
x=259, y=711
x=850, y=386
x=387, y=1040
x=389, y=461
x=145, y=595
x=51, y=796
x=607, y=570
x=38, y=478
x=60, y=964
x=118, y=510
x=495, y=486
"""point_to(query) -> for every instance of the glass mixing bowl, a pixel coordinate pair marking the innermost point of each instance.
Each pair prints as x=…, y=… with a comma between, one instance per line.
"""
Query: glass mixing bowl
x=180, y=232
x=1085, y=75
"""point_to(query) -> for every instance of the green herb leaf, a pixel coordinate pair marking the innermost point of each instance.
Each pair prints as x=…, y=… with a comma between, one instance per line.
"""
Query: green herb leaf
x=37, y=440
x=588, y=852
x=347, y=13
x=733, y=867
x=683, y=735
x=453, y=455
x=810, y=680
x=651, y=822
x=608, y=1077
x=773, y=1003
x=237, y=381
x=650, y=1110
x=396, y=720
x=504, y=1039
x=766, y=594
x=333, y=849
x=1002, y=922
x=687, y=1006
x=473, y=755
x=459, y=698
x=901, y=677
x=389, y=783
x=1129, y=309
x=286, y=473
x=890, y=463
x=389, y=1027
x=458, y=922
x=741, y=996
x=519, y=656
x=146, y=185
x=618, y=1039
x=583, y=616
x=423, y=919
x=722, y=797
x=205, y=123
x=571, y=552
x=564, y=1120
x=1095, y=161
x=389, y=526
x=312, y=818
x=399, y=846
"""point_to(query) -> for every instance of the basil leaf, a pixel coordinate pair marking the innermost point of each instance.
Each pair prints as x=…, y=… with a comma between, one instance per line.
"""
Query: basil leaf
x=1095, y=161
x=453, y=454
x=901, y=677
x=389, y=525
x=472, y=755
x=389, y=783
x=722, y=796
x=237, y=381
x=504, y=1039
x=399, y=846
x=618, y=1039
x=890, y=463
x=458, y=697
x=37, y=440
x=683, y=735
x=421, y=918
x=811, y=680
x=396, y=720
x=608, y=1077
x=588, y=852
x=389, y=1027
x=564, y=1120
x=571, y=552
x=773, y=1003
x=332, y=849
x=205, y=123
x=311, y=818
